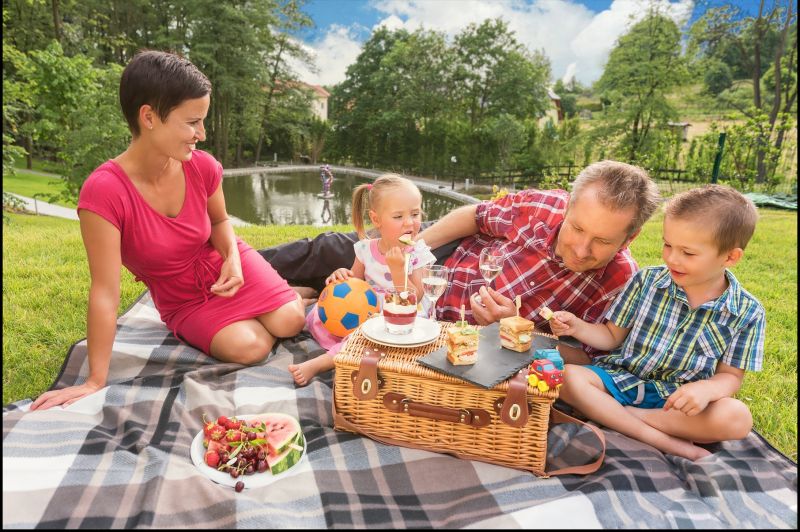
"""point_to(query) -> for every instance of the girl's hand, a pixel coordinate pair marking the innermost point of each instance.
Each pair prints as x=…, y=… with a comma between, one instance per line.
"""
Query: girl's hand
x=65, y=396
x=395, y=258
x=691, y=399
x=230, y=277
x=342, y=274
x=564, y=323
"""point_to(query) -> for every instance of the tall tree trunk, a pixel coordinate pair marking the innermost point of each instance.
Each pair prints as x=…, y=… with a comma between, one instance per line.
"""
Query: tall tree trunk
x=56, y=20
x=759, y=35
x=268, y=104
x=29, y=149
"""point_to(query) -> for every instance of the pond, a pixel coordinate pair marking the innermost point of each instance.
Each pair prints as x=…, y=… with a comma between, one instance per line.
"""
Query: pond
x=291, y=199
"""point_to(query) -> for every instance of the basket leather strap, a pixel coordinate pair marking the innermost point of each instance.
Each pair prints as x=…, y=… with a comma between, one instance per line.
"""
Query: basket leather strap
x=399, y=403
x=365, y=384
x=514, y=411
x=556, y=417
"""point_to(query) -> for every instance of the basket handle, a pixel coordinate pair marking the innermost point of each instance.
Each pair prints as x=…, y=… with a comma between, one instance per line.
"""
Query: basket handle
x=514, y=409
x=366, y=382
x=556, y=417
x=399, y=403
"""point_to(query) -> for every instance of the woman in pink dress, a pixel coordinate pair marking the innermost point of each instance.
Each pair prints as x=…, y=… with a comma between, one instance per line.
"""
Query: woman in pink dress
x=158, y=209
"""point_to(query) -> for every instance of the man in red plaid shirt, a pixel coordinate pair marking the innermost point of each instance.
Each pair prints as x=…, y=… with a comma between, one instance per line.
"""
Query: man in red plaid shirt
x=563, y=251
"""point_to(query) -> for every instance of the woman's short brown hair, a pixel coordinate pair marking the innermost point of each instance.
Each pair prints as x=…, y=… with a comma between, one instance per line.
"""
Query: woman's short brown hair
x=162, y=80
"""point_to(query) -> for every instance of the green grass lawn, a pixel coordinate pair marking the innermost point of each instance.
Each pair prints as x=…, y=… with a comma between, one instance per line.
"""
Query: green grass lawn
x=28, y=184
x=46, y=280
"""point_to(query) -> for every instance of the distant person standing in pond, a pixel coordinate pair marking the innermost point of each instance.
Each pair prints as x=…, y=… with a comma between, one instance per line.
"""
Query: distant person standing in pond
x=327, y=180
x=159, y=210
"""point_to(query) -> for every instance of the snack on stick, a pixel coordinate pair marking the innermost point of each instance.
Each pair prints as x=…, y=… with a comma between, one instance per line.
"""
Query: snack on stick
x=516, y=333
x=462, y=344
x=406, y=239
x=546, y=313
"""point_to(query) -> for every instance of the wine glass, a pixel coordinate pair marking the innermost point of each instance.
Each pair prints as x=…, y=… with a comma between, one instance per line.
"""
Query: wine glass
x=491, y=263
x=434, y=282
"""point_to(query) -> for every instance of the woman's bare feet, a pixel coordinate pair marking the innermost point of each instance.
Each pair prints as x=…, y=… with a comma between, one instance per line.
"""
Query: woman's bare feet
x=305, y=371
x=308, y=294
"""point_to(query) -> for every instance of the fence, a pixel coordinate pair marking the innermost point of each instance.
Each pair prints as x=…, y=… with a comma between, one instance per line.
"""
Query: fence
x=669, y=180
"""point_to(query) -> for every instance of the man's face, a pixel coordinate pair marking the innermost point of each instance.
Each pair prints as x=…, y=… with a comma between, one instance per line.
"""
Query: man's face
x=591, y=233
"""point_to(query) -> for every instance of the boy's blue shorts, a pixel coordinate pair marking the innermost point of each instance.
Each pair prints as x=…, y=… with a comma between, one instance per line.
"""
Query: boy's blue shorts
x=643, y=396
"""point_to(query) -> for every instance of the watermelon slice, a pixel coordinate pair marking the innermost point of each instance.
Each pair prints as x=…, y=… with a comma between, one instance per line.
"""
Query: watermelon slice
x=278, y=463
x=282, y=431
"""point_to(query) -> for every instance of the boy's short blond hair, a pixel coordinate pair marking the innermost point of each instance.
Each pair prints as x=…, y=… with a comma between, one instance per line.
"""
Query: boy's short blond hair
x=731, y=215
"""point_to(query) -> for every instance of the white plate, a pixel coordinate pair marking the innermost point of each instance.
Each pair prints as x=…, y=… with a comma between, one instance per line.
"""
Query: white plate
x=425, y=331
x=256, y=480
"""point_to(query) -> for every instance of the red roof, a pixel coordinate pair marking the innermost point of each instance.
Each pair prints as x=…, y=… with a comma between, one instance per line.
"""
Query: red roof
x=316, y=88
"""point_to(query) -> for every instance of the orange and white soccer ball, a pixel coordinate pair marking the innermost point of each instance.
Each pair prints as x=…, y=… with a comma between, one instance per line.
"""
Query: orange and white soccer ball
x=344, y=305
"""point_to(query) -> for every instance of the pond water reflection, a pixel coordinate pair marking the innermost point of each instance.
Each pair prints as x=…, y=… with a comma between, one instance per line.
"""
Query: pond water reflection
x=291, y=199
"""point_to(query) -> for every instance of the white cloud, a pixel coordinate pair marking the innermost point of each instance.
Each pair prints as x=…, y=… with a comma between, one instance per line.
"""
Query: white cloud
x=338, y=49
x=575, y=39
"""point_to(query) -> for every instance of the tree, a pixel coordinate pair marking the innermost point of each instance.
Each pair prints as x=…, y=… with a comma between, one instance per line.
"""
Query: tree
x=641, y=70
x=774, y=31
x=495, y=75
x=717, y=78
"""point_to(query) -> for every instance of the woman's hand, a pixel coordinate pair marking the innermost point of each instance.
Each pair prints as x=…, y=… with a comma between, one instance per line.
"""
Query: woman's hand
x=230, y=277
x=341, y=274
x=65, y=396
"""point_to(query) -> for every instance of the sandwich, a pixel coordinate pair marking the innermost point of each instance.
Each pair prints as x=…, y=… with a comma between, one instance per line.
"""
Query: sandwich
x=462, y=344
x=516, y=333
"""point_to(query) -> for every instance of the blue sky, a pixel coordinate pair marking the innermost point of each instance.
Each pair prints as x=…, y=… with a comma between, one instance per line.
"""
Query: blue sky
x=576, y=35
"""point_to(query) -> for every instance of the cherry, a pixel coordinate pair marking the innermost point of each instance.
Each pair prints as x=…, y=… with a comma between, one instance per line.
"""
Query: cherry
x=239, y=486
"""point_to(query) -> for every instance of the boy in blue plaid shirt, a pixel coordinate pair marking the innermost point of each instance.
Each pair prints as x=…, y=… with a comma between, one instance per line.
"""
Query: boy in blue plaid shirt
x=679, y=336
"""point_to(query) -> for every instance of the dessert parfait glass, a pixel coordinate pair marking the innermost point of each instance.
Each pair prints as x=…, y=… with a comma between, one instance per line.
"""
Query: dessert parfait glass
x=400, y=310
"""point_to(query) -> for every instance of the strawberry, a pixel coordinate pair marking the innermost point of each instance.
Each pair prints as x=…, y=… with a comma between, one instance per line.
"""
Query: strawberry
x=217, y=433
x=233, y=424
x=222, y=421
x=233, y=435
x=212, y=458
x=207, y=427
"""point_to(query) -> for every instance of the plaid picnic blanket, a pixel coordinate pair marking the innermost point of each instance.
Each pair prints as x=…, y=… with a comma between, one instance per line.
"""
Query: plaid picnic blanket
x=120, y=459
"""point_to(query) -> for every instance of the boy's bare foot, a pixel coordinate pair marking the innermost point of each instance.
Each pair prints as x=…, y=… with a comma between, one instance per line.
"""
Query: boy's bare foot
x=675, y=445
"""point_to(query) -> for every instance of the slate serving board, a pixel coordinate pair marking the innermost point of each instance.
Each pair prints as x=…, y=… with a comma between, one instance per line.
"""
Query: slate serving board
x=495, y=364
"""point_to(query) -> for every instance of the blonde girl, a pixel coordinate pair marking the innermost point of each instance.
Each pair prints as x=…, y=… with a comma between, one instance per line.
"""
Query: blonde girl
x=394, y=207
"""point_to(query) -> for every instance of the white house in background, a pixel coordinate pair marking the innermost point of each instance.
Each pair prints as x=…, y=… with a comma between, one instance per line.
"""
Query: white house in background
x=319, y=96
x=554, y=113
x=319, y=101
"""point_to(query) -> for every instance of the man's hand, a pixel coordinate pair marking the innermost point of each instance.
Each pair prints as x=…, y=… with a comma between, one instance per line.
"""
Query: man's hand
x=492, y=307
x=342, y=274
x=691, y=398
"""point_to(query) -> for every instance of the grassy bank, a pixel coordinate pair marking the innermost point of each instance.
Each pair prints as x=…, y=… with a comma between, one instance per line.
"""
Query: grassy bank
x=29, y=184
x=45, y=284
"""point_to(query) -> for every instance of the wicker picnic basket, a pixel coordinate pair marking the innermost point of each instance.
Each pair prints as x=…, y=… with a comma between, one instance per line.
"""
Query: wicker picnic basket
x=383, y=393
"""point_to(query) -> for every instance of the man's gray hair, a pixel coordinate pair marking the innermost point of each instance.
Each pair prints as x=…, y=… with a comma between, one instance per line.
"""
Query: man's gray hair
x=620, y=186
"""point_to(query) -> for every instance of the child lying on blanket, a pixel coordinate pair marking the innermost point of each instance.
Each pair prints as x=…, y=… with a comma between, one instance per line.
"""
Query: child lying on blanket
x=679, y=336
x=395, y=209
